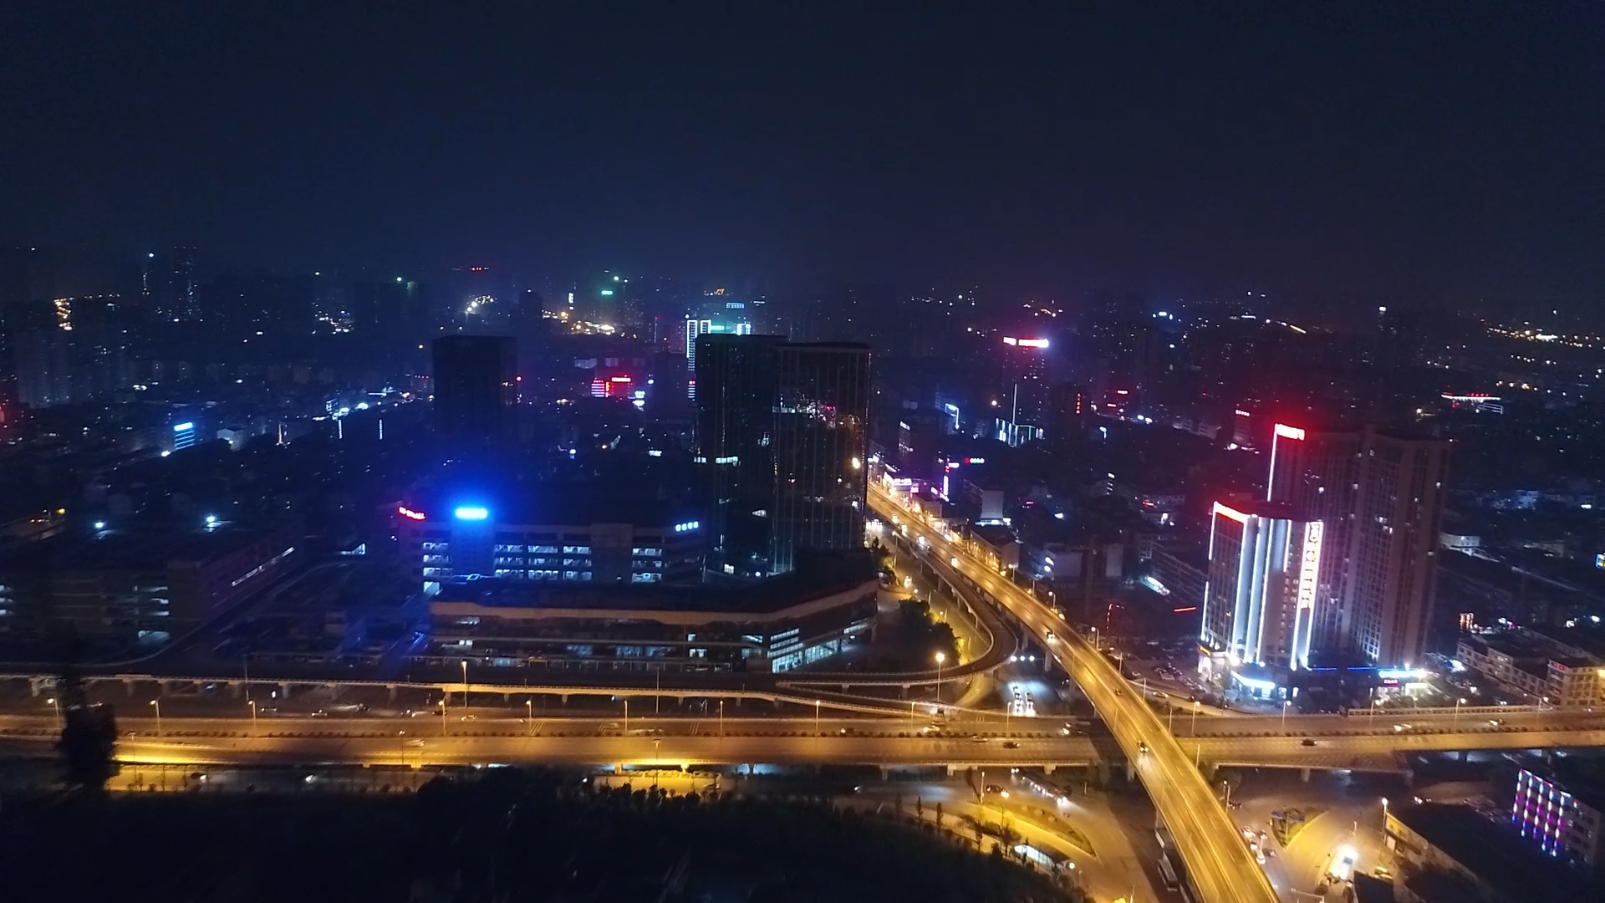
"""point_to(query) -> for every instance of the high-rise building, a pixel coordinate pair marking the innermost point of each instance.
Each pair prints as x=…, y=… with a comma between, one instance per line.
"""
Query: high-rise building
x=821, y=441
x=1259, y=598
x=1026, y=402
x=179, y=301
x=475, y=385
x=1380, y=495
x=782, y=434
x=735, y=423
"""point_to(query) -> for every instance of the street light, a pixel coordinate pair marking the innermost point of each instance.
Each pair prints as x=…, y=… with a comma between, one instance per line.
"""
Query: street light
x=721, y=719
x=816, y=716
x=529, y=720
x=252, y=703
x=57, y=703
x=1285, y=704
x=158, y=705
x=465, y=683
x=443, y=715
x=1196, y=706
x=1455, y=718
x=940, y=658
x=626, y=717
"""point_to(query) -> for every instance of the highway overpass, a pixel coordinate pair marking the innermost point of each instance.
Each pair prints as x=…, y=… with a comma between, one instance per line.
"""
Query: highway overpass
x=1219, y=865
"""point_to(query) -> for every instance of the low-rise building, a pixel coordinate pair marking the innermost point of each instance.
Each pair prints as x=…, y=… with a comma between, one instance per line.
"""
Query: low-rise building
x=139, y=584
x=772, y=625
x=1557, y=808
x=1489, y=861
x=1536, y=665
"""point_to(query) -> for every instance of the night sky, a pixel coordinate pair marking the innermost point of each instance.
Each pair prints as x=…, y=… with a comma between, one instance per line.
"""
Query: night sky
x=1344, y=152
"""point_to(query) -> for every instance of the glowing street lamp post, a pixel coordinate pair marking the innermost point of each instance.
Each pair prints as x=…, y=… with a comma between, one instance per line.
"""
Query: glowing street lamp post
x=940, y=658
x=529, y=720
x=465, y=683
x=252, y=703
x=158, y=706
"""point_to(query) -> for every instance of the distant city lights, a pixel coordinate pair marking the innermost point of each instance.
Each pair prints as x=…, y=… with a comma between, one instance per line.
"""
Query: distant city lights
x=471, y=512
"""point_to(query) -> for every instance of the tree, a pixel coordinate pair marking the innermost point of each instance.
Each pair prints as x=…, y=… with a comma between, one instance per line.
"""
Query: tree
x=88, y=743
x=88, y=747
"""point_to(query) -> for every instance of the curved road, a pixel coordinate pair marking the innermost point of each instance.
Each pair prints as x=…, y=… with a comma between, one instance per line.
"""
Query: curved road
x=1219, y=865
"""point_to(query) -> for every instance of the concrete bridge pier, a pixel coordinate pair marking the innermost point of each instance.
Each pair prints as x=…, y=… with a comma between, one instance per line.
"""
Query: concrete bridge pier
x=950, y=770
x=1131, y=771
x=1048, y=769
x=886, y=773
x=392, y=689
x=127, y=685
x=563, y=697
x=284, y=688
x=234, y=688
x=1304, y=775
x=33, y=686
x=1465, y=754
x=161, y=688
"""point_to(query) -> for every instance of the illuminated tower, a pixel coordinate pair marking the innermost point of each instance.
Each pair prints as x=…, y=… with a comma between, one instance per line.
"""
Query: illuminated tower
x=1380, y=496
x=1259, y=599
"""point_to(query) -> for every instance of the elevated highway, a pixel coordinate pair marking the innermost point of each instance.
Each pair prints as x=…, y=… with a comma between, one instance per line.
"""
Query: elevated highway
x=1219, y=866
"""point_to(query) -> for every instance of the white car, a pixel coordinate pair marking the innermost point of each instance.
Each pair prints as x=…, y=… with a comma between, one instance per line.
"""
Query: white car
x=1343, y=864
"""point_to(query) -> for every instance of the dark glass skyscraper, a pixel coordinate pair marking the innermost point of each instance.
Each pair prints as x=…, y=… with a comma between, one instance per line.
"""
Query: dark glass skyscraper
x=782, y=432
x=475, y=388
x=821, y=439
x=736, y=389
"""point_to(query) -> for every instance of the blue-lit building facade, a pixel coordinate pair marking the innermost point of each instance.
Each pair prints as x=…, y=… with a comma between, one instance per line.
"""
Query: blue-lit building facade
x=1259, y=595
x=549, y=541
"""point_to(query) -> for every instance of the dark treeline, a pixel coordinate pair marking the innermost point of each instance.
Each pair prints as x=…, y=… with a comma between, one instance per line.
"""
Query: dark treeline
x=510, y=836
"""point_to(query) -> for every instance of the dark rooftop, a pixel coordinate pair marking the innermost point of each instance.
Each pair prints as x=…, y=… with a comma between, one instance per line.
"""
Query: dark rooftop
x=819, y=575
x=134, y=548
x=1496, y=853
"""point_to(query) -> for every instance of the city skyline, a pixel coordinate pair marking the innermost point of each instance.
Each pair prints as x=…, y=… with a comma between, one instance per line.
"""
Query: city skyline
x=1335, y=158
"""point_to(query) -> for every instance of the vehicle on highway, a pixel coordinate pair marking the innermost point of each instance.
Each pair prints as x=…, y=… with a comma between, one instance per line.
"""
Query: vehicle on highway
x=1010, y=744
x=1142, y=746
x=1051, y=637
x=991, y=788
x=977, y=738
x=1343, y=864
x=1306, y=742
x=1382, y=873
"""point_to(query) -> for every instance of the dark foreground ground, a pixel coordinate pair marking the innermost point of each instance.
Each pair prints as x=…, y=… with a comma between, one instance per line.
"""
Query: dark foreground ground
x=505, y=836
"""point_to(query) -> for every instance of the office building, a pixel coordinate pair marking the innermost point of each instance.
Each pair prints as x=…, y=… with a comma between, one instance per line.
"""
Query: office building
x=475, y=388
x=777, y=625
x=735, y=420
x=1380, y=495
x=551, y=536
x=820, y=443
x=1260, y=594
x=782, y=437
x=1026, y=396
